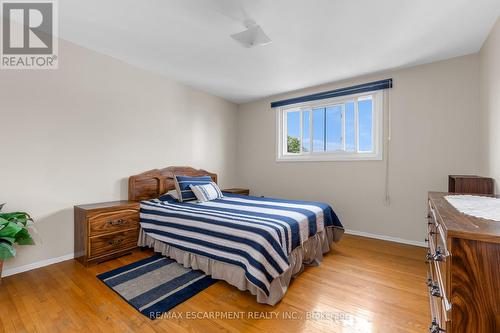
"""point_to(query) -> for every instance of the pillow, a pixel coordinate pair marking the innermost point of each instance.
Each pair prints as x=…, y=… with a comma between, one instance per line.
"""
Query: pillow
x=206, y=192
x=182, y=184
x=172, y=194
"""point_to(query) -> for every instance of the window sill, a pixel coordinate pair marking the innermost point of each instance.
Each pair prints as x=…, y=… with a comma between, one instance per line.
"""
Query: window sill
x=330, y=158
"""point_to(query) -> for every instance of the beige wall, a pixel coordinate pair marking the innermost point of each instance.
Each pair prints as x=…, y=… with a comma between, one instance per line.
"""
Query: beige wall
x=434, y=134
x=489, y=87
x=74, y=135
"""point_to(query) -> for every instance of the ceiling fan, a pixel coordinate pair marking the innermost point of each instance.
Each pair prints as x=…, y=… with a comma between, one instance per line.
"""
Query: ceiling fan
x=252, y=36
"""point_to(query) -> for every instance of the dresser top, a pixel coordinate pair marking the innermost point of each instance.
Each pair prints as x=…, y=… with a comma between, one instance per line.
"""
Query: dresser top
x=461, y=225
x=109, y=205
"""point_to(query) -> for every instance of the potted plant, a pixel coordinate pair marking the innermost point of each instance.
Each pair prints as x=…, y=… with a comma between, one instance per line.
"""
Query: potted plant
x=13, y=230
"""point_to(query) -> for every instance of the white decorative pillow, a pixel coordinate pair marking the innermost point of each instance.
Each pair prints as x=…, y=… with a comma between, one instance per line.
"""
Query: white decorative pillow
x=206, y=192
x=173, y=194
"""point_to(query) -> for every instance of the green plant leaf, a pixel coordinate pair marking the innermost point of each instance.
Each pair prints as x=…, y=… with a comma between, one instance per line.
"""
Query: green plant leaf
x=13, y=230
x=10, y=240
x=7, y=251
x=21, y=217
x=3, y=224
x=23, y=237
x=10, y=230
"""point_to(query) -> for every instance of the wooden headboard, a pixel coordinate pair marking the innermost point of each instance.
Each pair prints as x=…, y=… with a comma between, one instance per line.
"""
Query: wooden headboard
x=153, y=183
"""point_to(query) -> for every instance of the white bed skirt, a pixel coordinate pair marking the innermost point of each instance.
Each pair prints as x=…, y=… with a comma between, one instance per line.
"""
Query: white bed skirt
x=309, y=254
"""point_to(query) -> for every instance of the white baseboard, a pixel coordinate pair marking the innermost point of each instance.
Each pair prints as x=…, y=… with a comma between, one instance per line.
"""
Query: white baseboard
x=37, y=264
x=386, y=238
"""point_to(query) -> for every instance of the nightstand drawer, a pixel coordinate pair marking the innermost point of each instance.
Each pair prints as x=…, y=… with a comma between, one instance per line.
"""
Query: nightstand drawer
x=113, y=221
x=110, y=243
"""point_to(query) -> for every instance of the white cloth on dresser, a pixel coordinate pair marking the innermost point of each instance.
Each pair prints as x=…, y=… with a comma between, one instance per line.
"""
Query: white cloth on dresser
x=477, y=206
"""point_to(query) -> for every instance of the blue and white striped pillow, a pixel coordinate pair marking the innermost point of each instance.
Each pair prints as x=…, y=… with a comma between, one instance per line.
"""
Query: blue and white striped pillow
x=182, y=185
x=207, y=192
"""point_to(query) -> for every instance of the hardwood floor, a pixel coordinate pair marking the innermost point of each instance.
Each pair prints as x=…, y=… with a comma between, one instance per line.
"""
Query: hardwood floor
x=363, y=285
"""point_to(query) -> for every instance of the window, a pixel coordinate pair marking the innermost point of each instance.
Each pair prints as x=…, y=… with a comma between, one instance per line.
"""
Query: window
x=346, y=128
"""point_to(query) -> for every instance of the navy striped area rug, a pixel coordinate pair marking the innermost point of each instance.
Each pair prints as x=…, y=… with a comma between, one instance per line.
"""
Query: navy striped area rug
x=156, y=284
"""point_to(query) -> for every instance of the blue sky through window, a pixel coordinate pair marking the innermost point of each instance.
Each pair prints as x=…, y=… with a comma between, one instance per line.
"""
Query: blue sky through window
x=350, y=123
x=332, y=139
x=334, y=128
x=365, y=125
x=306, y=131
x=319, y=129
x=293, y=124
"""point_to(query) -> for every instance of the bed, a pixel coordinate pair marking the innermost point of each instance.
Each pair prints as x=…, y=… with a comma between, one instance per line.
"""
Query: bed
x=253, y=243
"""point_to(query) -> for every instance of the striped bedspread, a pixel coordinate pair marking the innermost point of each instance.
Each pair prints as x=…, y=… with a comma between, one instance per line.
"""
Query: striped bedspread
x=256, y=234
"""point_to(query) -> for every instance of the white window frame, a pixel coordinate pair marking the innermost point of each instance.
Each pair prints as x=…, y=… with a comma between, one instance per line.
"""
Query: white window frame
x=340, y=155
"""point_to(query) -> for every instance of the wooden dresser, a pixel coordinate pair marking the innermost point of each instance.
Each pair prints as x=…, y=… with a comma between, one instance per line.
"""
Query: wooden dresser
x=463, y=270
x=105, y=230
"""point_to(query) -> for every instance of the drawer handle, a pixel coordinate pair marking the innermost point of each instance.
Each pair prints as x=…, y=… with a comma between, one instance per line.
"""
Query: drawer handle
x=434, y=289
x=115, y=242
x=439, y=256
x=434, y=328
x=117, y=222
x=429, y=256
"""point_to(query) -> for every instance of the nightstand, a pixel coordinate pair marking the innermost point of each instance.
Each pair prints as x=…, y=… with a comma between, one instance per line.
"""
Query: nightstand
x=242, y=191
x=105, y=230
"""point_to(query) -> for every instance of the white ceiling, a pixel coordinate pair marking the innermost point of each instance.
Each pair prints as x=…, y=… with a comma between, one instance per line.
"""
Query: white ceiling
x=314, y=41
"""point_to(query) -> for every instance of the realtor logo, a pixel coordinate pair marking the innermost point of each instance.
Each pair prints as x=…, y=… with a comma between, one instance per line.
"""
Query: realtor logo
x=28, y=34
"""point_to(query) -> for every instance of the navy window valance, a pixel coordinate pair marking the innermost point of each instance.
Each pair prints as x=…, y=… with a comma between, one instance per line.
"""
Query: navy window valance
x=360, y=88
